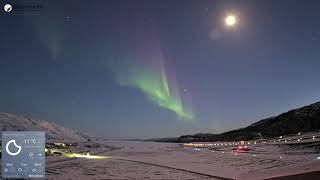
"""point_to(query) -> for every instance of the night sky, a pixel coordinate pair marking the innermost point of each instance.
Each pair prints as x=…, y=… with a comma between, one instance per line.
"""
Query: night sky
x=142, y=69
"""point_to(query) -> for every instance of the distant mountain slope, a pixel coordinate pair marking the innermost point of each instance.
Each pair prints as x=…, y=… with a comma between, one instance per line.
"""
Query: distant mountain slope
x=303, y=119
x=11, y=122
x=167, y=139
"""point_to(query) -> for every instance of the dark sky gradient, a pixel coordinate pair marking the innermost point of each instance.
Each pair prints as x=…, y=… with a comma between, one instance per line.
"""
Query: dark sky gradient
x=53, y=63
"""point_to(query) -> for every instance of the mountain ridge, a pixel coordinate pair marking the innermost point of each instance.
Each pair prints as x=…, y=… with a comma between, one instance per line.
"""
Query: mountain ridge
x=303, y=119
x=54, y=132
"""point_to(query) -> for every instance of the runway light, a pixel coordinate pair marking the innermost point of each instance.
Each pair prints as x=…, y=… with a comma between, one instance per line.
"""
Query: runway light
x=313, y=137
x=318, y=158
x=254, y=155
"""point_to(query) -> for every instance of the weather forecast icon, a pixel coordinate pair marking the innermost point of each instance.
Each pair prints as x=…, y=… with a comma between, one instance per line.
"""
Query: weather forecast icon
x=18, y=154
x=15, y=144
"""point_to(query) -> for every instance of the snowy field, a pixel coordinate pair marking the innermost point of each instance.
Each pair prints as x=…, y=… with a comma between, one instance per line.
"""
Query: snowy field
x=150, y=160
x=263, y=161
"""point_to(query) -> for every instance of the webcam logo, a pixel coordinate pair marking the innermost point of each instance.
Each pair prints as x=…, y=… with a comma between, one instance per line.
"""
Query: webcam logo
x=16, y=146
x=7, y=7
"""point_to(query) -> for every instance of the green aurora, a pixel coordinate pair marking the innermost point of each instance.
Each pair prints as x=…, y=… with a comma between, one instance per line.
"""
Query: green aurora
x=142, y=66
x=157, y=89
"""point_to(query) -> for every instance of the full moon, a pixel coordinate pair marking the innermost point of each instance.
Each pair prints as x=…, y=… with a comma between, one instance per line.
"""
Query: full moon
x=230, y=20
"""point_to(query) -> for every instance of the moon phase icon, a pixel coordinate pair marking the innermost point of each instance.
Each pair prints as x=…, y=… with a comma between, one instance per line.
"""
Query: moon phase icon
x=16, y=146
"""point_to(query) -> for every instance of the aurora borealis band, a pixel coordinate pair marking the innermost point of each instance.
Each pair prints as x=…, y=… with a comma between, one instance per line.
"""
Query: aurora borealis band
x=143, y=67
x=157, y=89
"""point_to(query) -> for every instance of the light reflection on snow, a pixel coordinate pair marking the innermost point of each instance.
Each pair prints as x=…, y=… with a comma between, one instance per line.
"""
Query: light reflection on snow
x=76, y=155
x=87, y=156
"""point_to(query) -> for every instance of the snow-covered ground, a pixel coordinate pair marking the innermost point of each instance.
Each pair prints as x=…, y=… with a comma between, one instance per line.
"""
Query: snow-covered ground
x=151, y=160
x=111, y=159
x=266, y=160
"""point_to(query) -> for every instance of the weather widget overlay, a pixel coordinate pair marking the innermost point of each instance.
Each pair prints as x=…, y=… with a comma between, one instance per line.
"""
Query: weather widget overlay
x=23, y=154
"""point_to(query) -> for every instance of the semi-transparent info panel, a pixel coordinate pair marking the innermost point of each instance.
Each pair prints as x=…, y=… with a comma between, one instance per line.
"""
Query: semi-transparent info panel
x=23, y=154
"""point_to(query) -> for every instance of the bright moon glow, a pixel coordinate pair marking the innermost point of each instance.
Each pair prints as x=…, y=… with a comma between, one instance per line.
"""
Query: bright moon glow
x=230, y=20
